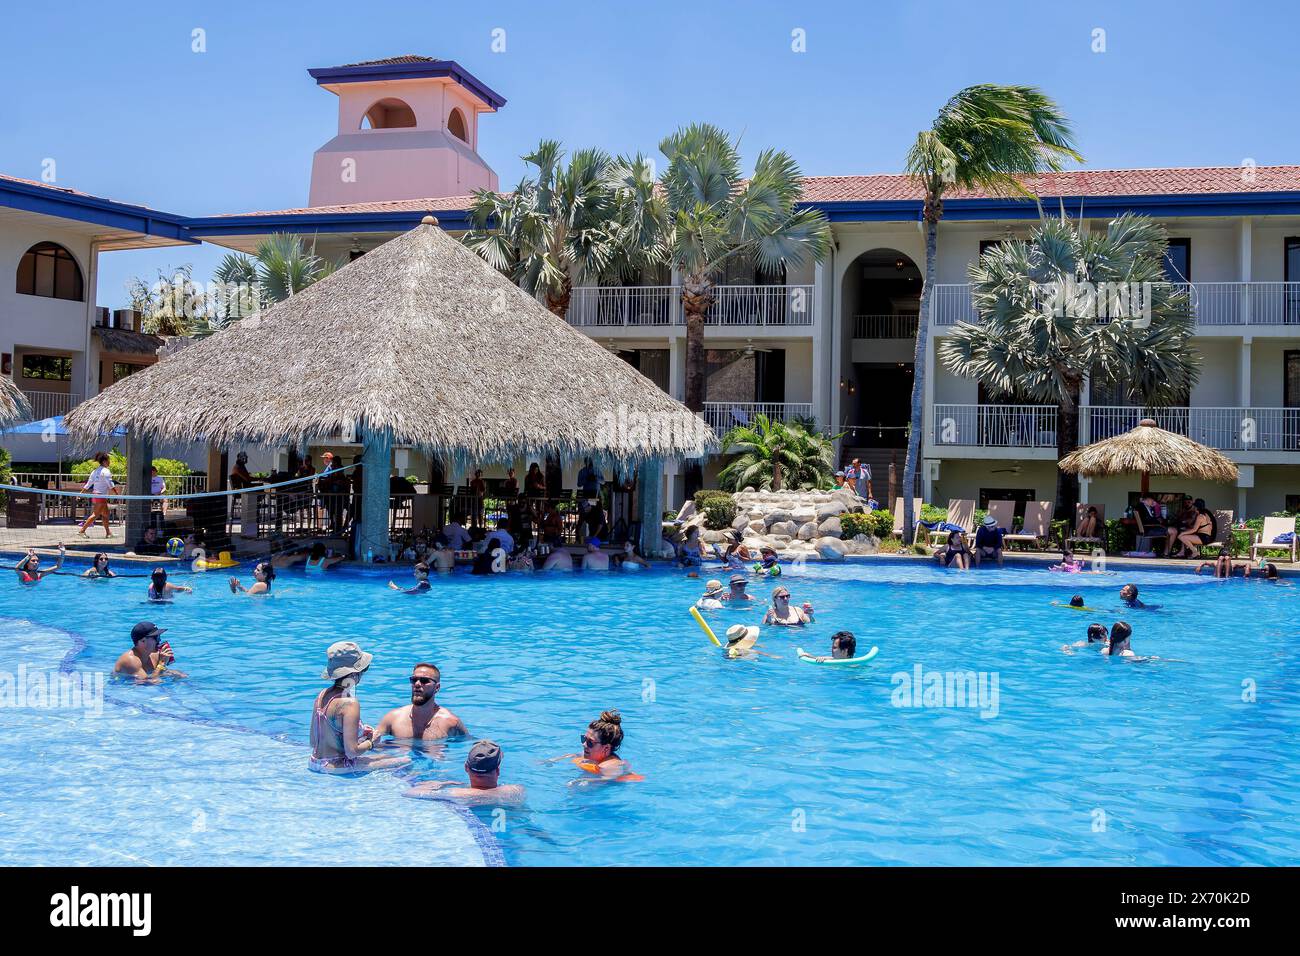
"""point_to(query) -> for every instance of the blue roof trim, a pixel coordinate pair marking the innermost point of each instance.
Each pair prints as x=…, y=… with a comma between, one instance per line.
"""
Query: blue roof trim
x=409, y=71
x=103, y=212
x=1093, y=207
x=454, y=220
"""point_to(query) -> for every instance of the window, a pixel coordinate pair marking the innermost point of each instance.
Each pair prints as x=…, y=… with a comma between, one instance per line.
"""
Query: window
x=456, y=126
x=47, y=269
x=389, y=114
x=47, y=368
x=1178, y=260
x=122, y=369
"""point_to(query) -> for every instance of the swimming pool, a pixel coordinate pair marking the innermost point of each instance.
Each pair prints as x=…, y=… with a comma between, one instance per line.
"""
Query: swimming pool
x=1076, y=760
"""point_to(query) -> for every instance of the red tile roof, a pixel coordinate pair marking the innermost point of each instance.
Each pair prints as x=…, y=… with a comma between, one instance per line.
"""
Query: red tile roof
x=70, y=192
x=1083, y=182
x=433, y=204
x=387, y=61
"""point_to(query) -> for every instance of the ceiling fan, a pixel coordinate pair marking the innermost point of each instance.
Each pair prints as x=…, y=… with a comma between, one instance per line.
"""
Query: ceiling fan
x=750, y=348
x=1015, y=469
x=613, y=346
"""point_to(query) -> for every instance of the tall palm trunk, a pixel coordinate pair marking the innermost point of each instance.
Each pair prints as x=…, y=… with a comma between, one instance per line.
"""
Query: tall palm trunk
x=1067, y=440
x=558, y=301
x=697, y=298
x=932, y=213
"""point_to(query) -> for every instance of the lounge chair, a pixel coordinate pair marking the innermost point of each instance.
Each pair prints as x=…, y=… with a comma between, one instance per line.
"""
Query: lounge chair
x=1266, y=540
x=1080, y=510
x=898, y=516
x=1038, y=521
x=961, y=512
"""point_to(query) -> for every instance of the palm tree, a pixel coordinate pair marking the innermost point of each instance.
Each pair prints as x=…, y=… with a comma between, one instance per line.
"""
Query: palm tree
x=1048, y=308
x=773, y=454
x=239, y=293
x=286, y=265
x=984, y=137
x=556, y=230
x=712, y=216
x=171, y=305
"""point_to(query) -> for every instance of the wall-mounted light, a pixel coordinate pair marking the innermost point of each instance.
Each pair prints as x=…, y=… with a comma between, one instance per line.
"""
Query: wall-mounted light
x=900, y=263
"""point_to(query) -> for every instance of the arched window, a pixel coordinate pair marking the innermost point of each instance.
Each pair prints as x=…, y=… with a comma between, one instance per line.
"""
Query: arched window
x=389, y=113
x=456, y=126
x=48, y=269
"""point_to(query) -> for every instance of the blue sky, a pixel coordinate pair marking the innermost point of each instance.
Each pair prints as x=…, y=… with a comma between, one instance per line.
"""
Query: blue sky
x=114, y=93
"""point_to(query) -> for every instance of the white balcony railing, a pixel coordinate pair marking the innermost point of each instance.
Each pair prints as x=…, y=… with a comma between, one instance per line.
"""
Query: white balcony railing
x=724, y=415
x=901, y=326
x=995, y=426
x=604, y=306
x=661, y=305
x=49, y=404
x=1213, y=303
x=1227, y=429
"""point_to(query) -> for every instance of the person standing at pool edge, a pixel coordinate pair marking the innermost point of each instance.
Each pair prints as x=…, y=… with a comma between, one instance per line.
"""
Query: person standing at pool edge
x=423, y=718
x=100, y=483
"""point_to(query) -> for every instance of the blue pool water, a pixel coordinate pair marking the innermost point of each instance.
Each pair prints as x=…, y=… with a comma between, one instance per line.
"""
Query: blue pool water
x=1079, y=760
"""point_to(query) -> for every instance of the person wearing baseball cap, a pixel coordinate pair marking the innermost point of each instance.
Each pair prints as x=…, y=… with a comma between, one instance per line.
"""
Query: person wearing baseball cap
x=148, y=657
x=483, y=765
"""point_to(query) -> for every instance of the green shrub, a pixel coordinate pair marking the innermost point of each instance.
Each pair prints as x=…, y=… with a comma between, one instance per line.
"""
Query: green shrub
x=168, y=468
x=877, y=524
x=718, y=508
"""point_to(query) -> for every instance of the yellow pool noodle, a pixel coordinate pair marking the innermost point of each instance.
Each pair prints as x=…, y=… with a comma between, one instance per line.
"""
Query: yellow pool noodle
x=704, y=625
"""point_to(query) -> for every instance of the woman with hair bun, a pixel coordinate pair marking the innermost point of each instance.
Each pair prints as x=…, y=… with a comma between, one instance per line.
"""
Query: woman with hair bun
x=599, y=757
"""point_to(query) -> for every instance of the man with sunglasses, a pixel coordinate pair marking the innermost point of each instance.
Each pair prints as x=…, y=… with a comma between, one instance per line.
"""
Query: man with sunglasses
x=423, y=718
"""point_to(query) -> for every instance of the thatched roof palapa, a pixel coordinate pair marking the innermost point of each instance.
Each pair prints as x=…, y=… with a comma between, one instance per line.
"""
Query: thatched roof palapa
x=1150, y=450
x=418, y=337
x=13, y=404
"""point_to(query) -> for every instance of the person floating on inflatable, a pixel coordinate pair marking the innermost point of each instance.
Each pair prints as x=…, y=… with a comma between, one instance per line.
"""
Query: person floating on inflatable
x=599, y=756
x=844, y=648
x=769, y=564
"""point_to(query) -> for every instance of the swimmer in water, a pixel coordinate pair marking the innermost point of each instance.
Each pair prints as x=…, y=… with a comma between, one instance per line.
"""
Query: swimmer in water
x=738, y=594
x=483, y=765
x=441, y=557
x=423, y=718
x=629, y=560
x=712, y=599
x=263, y=575
x=741, y=641
x=147, y=659
x=1129, y=595
x=783, y=614
x=1076, y=601
x=1096, y=635
x=160, y=589
x=769, y=564
x=99, y=568
x=1120, y=633
x=1068, y=563
x=1268, y=571
x=1223, y=566
x=340, y=743
x=29, y=568
x=843, y=646
x=421, y=572
x=599, y=756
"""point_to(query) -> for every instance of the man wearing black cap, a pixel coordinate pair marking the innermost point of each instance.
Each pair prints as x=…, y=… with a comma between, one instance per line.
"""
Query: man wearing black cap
x=147, y=658
x=484, y=768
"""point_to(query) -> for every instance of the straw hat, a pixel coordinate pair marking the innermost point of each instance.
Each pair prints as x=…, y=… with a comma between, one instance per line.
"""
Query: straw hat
x=712, y=586
x=741, y=637
x=344, y=658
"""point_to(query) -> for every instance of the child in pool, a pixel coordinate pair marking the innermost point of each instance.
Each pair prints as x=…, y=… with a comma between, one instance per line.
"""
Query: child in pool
x=843, y=646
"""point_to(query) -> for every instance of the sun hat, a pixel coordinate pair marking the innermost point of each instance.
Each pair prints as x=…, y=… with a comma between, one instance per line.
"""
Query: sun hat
x=145, y=629
x=712, y=586
x=990, y=521
x=739, y=578
x=344, y=658
x=484, y=757
x=741, y=637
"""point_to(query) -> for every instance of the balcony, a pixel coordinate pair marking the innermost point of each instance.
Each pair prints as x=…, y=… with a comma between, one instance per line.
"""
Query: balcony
x=1214, y=304
x=734, y=306
x=994, y=426
x=49, y=404
x=901, y=326
x=1245, y=429
x=722, y=416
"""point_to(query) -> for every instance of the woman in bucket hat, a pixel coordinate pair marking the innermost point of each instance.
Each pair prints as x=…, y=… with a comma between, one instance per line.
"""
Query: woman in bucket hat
x=339, y=741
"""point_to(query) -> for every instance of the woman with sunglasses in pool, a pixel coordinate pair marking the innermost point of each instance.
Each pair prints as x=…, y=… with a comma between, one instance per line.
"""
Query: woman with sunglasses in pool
x=784, y=614
x=599, y=757
x=99, y=568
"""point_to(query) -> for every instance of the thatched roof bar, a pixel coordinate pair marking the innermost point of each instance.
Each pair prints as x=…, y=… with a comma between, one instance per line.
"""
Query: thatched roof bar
x=13, y=404
x=1148, y=449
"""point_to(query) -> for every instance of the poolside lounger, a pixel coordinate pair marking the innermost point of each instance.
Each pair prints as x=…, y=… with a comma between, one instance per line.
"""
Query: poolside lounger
x=1080, y=510
x=1038, y=522
x=1266, y=540
x=898, y=516
x=961, y=512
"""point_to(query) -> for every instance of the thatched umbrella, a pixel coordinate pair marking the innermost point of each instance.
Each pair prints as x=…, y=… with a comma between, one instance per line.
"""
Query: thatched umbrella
x=13, y=404
x=417, y=342
x=1147, y=450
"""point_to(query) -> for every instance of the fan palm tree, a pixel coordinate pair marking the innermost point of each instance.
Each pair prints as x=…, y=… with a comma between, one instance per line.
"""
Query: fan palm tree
x=556, y=230
x=1049, y=322
x=985, y=137
x=712, y=216
x=772, y=455
x=286, y=265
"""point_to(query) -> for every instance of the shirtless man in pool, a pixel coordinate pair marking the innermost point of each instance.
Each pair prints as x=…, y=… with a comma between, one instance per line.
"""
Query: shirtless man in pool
x=423, y=718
